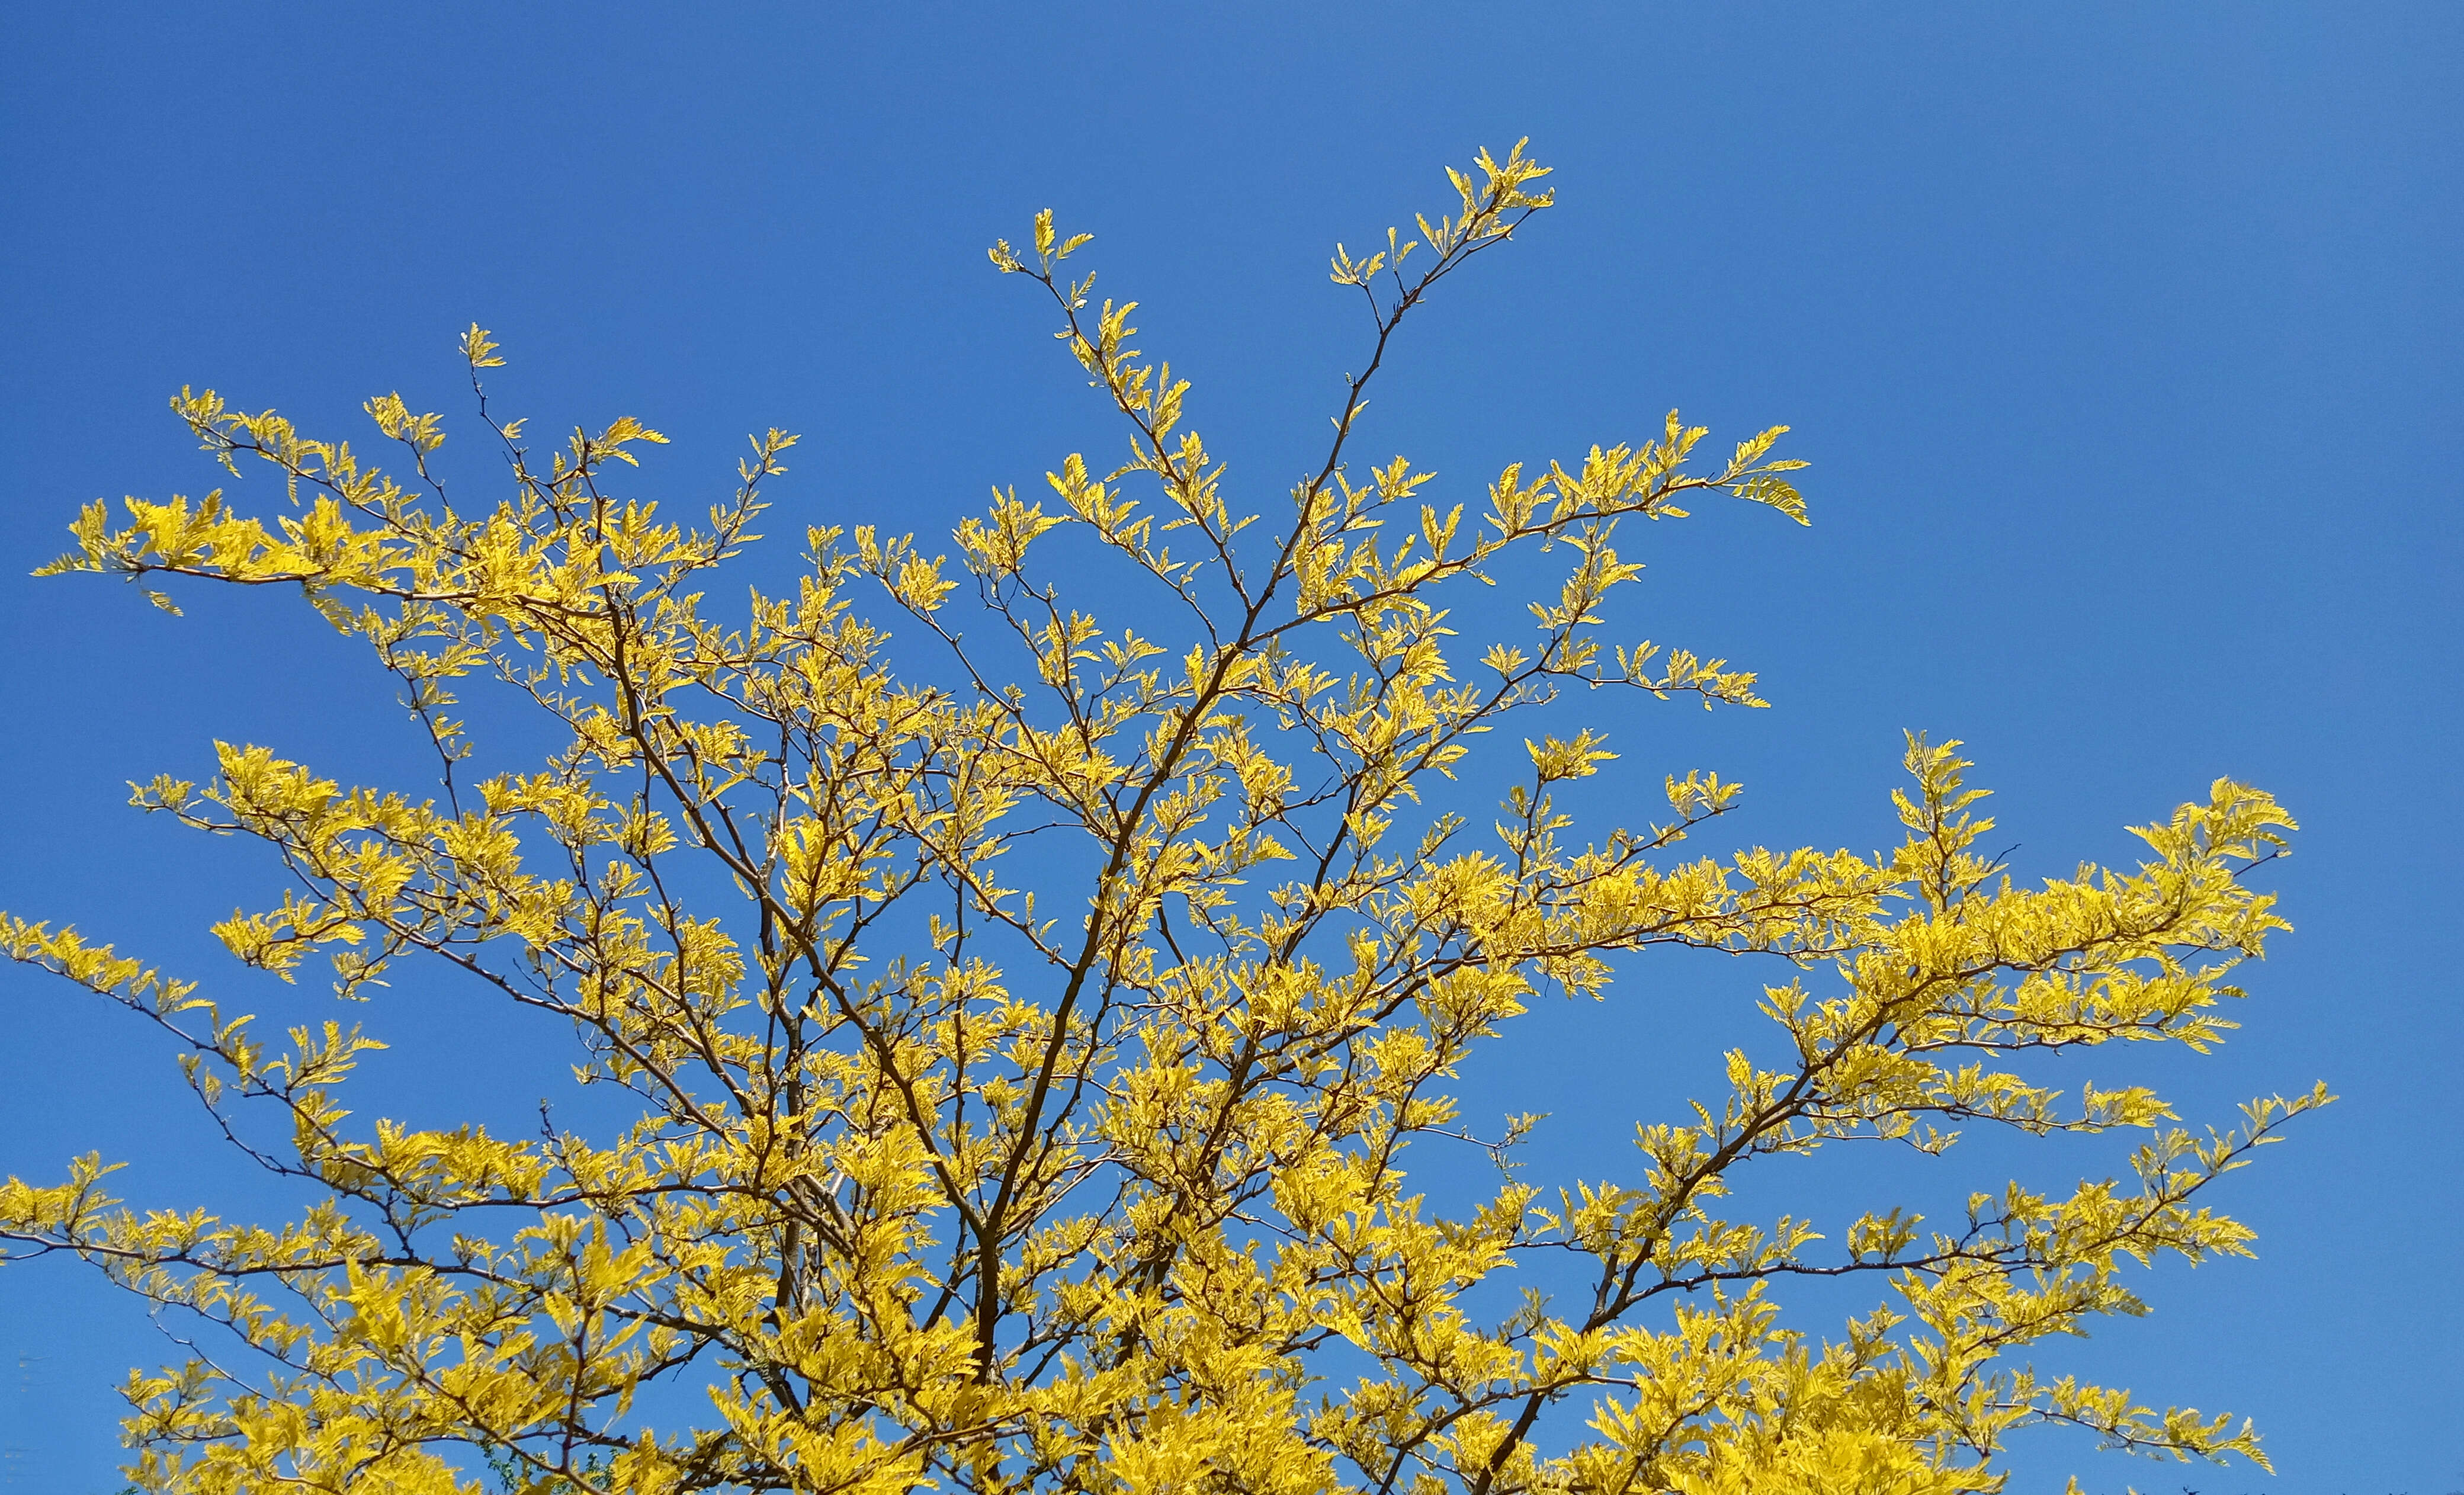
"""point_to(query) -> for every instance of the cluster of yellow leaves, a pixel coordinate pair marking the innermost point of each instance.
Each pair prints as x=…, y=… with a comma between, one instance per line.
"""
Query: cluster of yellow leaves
x=931, y=1187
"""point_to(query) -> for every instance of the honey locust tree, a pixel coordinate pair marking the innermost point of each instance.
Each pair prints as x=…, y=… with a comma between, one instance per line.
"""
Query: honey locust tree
x=1027, y=1019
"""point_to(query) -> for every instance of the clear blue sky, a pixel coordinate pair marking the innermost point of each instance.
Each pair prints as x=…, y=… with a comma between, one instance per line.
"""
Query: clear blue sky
x=2123, y=339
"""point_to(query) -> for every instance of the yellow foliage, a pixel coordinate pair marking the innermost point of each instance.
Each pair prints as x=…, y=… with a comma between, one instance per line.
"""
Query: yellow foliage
x=1033, y=1118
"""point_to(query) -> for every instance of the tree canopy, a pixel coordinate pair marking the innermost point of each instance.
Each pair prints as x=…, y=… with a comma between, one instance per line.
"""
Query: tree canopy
x=1029, y=1015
